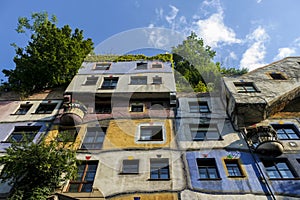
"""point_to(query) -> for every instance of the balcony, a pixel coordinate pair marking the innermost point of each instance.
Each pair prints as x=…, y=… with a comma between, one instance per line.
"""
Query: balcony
x=263, y=140
x=73, y=114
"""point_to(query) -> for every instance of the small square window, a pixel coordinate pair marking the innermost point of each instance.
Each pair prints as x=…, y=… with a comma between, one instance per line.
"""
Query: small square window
x=23, y=109
x=46, y=108
x=94, y=138
x=137, y=108
x=200, y=106
x=157, y=80
x=109, y=83
x=245, y=87
x=85, y=178
x=103, y=108
x=286, y=131
x=138, y=80
x=159, y=169
x=67, y=134
x=233, y=168
x=102, y=66
x=201, y=132
x=277, y=76
x=130, y=167
x=151, y=133
x=141, y=65
x=278, y=168
x=207, y=168
x=23, y=133
x=156, y=65
x=91, y=80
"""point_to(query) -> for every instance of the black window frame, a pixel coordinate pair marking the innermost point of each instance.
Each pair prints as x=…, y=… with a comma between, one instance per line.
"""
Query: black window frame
x=277, y=76
x=85, y=170
x=102, y=66
x=46, y=108
x=205, y=167
x=141, y=66
x=234, y=168
x=273, y=165
x=23, y=109
x=91, y=80
x=138, y=80
x=110, y=82
x=157, y=80
x=245, y=87
x=130, y=166
x=23, y=133
x=206, y=130
x=199, y=107
x=94, y=133
x=159, y=169
x=281, y=129
x=137, y=108
x=158, y=136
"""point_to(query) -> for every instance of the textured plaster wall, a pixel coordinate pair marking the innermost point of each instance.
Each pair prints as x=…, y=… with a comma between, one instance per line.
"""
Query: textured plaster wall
x=241, y=185
x=153, y=196
x=123, y=134
x=110, y=182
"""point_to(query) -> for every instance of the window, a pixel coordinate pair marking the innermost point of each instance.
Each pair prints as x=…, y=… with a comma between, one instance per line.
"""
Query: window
x=102, y=66
x=277, y=76
x=233, y=168
x=157, y=65
x=130, y=167
x=159, y=169
x=151, y=133
x=138, y=80
x=137, y=108
x=91, y=80
x=103, y=108
x=278, y=168
x=23, y=109
x=94, y=138
x=202, y=132
x=245, y=87
x=23, y=133
x=109, y=83
x=141, y=65
x=207, y=168
x=286, y=131
x=85, y=178
x=67, y=134
x=157, y=80
x=46, y=108
x=200, y=106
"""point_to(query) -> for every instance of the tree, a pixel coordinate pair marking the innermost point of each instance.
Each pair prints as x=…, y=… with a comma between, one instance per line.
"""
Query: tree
x=52, y=57
x=193, y=60
x=36, y=170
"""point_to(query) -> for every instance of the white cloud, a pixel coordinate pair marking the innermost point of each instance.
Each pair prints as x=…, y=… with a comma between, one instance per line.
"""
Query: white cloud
x=255, y=54
x=284, y=52
x=172, y=15
x=215, y=32
x=258, y=1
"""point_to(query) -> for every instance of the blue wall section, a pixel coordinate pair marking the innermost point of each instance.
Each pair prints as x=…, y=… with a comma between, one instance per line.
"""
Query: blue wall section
x=248, y=184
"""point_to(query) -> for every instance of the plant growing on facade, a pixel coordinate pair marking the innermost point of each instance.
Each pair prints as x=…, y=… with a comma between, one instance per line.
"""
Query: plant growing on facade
x=35, y=170
x=51, y=58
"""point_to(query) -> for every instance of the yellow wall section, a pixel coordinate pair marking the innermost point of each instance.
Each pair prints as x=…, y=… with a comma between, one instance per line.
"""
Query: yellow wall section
x=122, y=133
x=160, y=196
x=52, y=135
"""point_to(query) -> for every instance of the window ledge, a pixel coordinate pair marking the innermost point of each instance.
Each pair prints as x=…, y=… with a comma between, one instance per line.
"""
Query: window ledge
x=243, y=176
x=123, y=173
x=284, y=179
x=209, y=179
x=167, y=179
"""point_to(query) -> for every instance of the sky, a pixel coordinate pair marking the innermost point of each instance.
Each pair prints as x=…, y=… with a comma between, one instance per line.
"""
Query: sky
x=244, y=33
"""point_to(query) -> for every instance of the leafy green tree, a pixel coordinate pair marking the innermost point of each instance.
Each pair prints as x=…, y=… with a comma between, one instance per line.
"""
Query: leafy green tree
x=51, y=58
x=193, y=60
x=36, y=170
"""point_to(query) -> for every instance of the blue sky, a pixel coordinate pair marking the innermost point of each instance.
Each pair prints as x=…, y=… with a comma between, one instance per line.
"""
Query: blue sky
x=244, y=33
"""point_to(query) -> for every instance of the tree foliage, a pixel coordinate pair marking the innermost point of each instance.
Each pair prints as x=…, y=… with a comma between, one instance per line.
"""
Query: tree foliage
x=51, y=58
x=194, y=62
x=35, y=170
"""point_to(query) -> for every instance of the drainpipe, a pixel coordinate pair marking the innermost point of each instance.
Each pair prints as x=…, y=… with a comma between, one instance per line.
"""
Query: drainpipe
x=264, y=179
